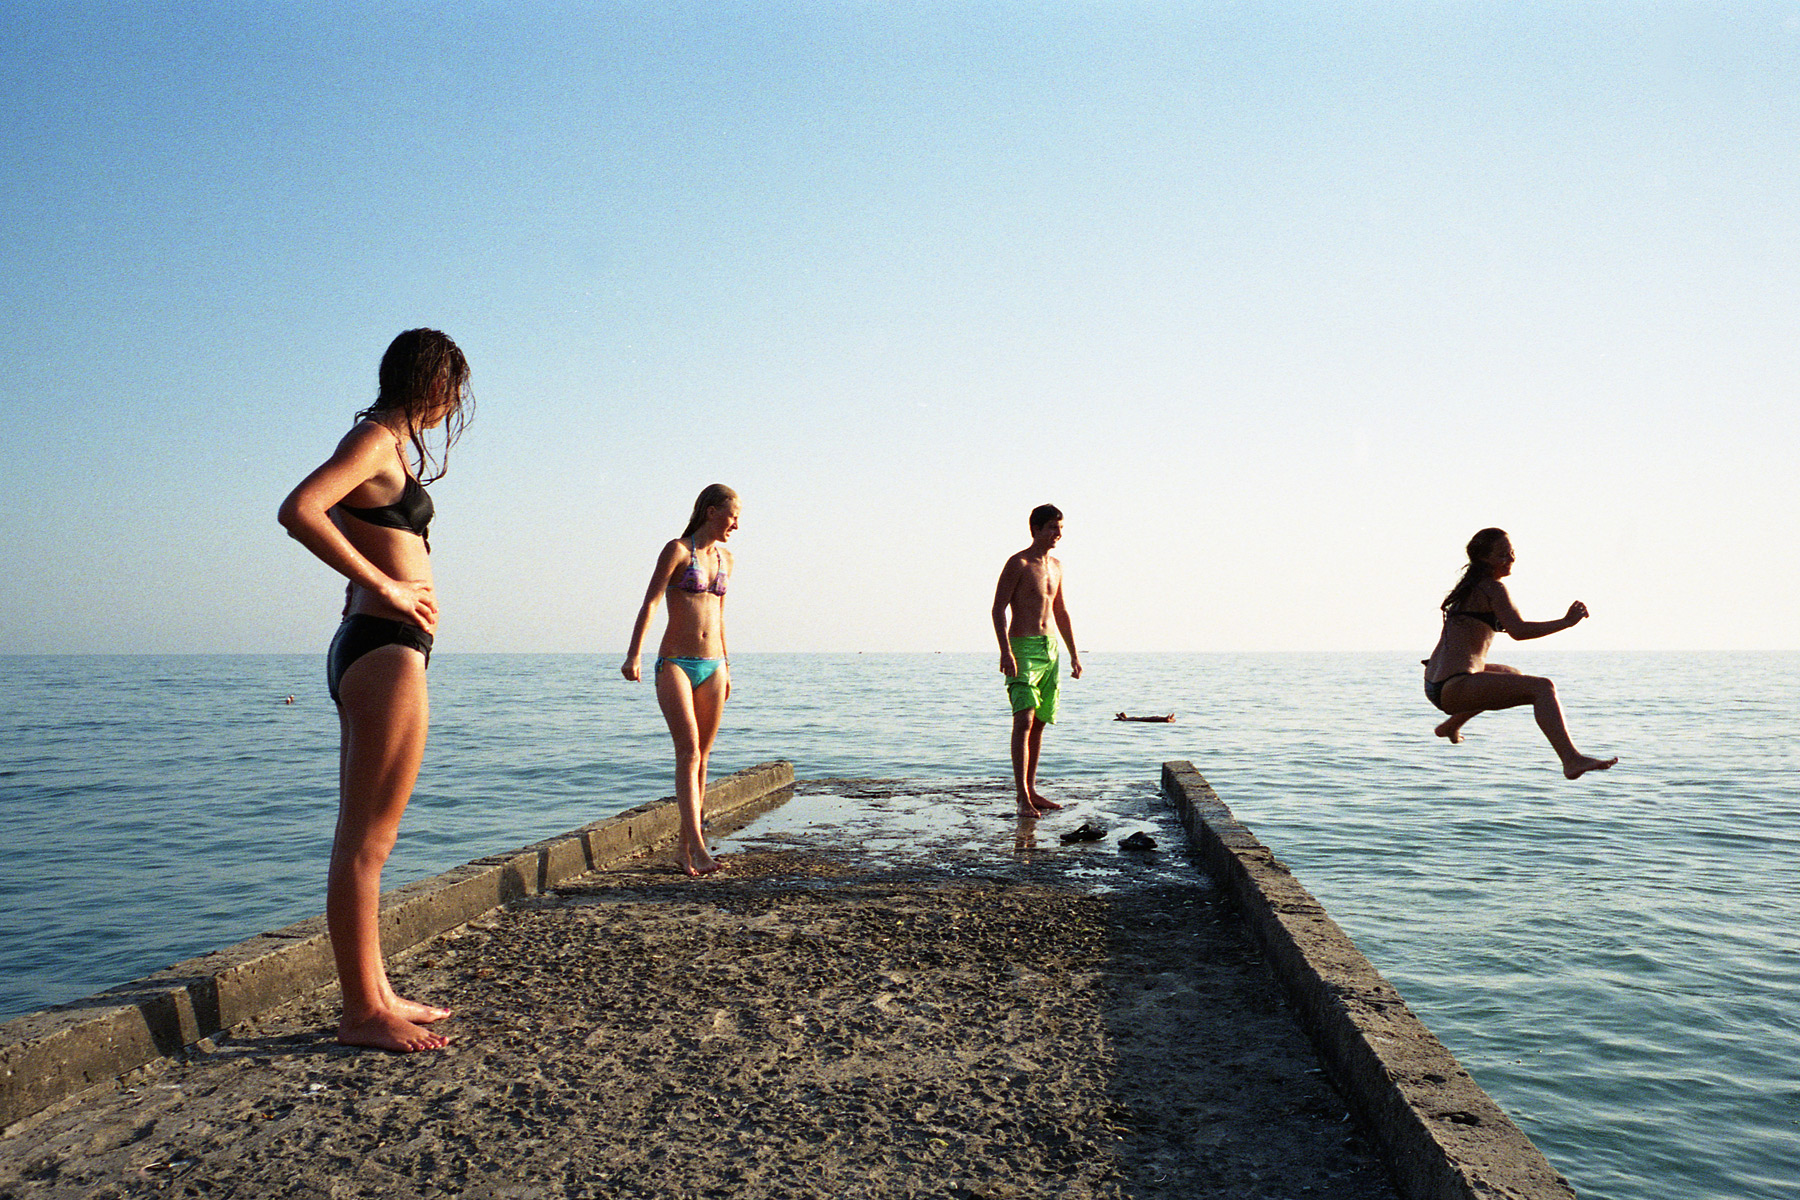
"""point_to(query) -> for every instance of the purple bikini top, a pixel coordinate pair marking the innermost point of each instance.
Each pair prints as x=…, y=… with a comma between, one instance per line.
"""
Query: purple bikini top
x=691, y=580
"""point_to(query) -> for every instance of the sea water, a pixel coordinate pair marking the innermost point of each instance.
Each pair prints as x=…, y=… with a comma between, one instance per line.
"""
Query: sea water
x=1614, y=959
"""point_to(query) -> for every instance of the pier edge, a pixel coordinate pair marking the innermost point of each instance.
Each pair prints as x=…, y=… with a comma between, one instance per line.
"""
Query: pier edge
x=1441, y=1136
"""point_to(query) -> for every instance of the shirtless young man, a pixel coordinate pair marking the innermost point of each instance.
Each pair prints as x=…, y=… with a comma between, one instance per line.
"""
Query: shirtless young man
x=1031, y=585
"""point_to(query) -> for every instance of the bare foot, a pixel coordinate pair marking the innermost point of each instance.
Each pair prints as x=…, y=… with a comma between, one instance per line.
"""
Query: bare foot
x=418, y=1014
x=706, y=866
x=1581, y=766
x=1451, y=729
x=1026, y=810
x=1042, y=803
x=386, y=1031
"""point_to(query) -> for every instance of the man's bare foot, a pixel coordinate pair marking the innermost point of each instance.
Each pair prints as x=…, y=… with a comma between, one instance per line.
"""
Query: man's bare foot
x=1451, y=729
x=386, y=1031
x=1026, y=810
x=1042, y=803
x=1581, y=766
x=418, y=1014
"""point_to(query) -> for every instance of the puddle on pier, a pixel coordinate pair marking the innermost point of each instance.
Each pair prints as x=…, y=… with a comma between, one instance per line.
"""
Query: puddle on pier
x=960, y=827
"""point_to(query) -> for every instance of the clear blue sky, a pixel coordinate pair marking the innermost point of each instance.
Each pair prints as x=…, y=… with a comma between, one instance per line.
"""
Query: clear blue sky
x=1279, y=302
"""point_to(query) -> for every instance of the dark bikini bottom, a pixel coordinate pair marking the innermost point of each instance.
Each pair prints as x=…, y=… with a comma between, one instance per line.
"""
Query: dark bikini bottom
x=1434, y=691
x=361, y=633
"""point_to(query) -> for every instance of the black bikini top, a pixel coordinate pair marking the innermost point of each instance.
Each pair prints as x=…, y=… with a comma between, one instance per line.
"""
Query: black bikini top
x=1490, y=619
x=412, y=511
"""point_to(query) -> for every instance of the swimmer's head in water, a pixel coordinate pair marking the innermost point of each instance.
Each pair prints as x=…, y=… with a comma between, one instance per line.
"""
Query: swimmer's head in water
x=425, y=384
x=713, y=495
x=1043, y=514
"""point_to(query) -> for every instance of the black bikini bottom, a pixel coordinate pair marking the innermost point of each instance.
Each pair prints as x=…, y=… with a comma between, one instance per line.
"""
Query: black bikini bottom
x=1434, y=691
x=361, y=633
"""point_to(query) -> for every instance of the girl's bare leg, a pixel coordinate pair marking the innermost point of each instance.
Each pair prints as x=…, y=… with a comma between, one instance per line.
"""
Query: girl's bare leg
x=1452, y=728
x=383, y=718
x=1472, y=694
x=709, y=711
x=693, y=715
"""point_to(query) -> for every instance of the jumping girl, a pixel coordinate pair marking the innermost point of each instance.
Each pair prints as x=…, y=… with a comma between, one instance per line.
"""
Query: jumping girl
x=1462, y=683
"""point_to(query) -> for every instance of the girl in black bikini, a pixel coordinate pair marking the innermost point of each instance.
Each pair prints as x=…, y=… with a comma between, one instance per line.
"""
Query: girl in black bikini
x=365, y=514
x=1461, y=682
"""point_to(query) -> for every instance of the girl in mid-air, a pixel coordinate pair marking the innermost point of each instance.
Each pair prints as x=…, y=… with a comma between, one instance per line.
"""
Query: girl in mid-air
x=1462, y=683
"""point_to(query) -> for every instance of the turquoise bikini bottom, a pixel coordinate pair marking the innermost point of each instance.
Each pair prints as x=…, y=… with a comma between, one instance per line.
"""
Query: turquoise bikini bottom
x=698, y=670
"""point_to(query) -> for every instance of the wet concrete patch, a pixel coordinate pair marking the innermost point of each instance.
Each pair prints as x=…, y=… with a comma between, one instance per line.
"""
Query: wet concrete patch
x=971, y=828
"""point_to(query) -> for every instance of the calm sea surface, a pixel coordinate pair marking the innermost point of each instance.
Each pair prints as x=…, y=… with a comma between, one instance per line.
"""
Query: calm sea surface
x=1614, y=959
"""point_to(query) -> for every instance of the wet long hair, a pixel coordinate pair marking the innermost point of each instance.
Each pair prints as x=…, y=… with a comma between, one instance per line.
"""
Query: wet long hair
x=1476, y=571
x=421, y=369
x=713, y=495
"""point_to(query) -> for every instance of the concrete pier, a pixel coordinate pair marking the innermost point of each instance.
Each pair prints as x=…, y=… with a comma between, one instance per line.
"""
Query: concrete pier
x=896, y=989
x=48, y=1056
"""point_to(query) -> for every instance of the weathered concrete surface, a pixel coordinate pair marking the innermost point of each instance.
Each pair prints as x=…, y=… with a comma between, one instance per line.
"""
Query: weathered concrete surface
x=894, y=990
x=50, y=1055
x=1441, y=1135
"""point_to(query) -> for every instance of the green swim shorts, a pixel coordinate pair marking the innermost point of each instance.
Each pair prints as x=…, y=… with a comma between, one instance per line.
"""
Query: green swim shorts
x=1035, y=685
